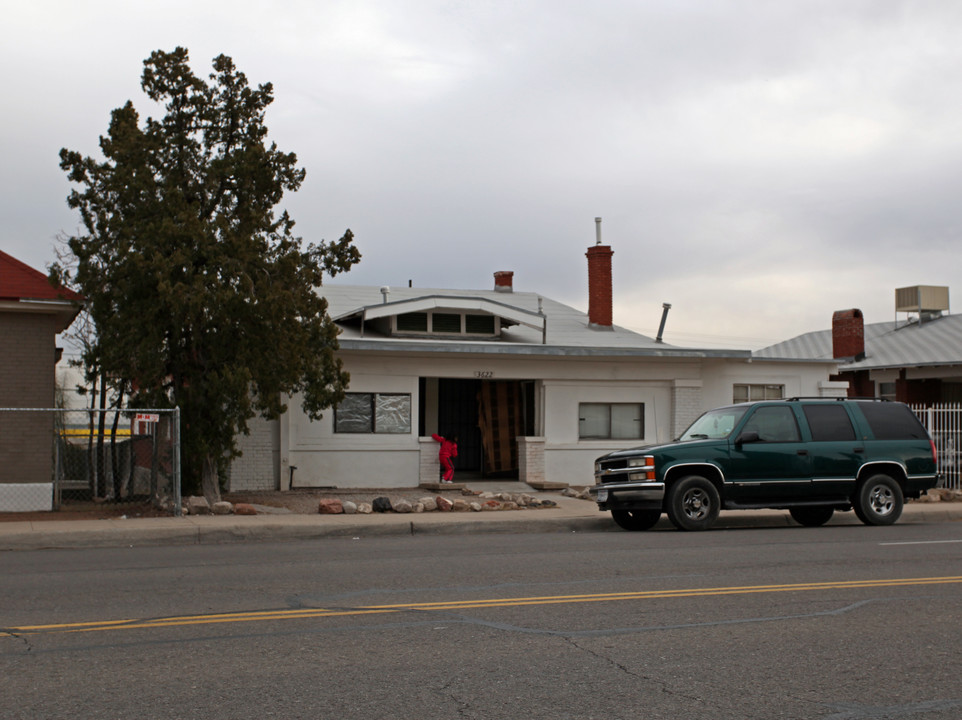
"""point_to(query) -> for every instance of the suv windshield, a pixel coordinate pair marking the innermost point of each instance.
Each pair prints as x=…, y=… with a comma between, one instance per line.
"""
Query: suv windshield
x=714, y=424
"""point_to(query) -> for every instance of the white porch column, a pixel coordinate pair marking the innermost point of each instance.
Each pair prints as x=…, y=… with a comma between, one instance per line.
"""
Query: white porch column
x=531, y=459
x=429, y=470
x=686, y=404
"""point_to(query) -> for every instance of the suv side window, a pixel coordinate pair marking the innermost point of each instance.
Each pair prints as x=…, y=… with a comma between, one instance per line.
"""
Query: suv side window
x=892, y=421
x=829, y=422
x=774, y=424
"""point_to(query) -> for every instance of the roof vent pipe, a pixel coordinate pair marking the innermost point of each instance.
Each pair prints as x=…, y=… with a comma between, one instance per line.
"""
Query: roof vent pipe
x=665, y=307
x=385, y=291
x=597, y=231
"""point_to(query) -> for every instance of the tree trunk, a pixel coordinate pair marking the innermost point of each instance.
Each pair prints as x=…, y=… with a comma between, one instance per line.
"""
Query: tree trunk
x=209, y=481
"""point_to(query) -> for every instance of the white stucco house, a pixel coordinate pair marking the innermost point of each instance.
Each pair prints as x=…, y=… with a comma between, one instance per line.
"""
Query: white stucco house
x=534, y=389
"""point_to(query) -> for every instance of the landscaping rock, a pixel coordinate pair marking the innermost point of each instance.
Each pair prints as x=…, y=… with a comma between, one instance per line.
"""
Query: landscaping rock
x=197, y=505
x=350, y=508
x=222, y=508
x=428, y=503
x=443, y=504
x=364, y=508
x=244, y=509
x=460, y=506
x=403, y=506
x=475, y=506
x=330, y=506
x=382, y=504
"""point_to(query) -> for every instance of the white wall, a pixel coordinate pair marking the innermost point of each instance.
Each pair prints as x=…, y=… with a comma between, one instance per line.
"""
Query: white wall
x=799, y=379
x=324, y=458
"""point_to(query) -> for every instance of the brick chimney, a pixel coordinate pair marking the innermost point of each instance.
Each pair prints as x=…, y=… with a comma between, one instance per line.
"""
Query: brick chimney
x=848, y=334
x=599, y=286
x=503, y=280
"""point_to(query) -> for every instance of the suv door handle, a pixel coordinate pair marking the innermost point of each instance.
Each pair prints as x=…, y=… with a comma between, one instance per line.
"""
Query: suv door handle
x=859, y=450
x=802, y=452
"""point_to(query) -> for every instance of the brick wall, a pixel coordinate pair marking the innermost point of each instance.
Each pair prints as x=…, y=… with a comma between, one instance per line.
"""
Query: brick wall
x=531, y=459
x=686, y=406
x=27, y=377
x=258, y=468
x=599, y=285
x=848, y=334
x=429, y=470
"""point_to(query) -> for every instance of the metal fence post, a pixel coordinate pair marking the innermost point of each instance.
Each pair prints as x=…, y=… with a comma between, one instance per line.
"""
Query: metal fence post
x=178, y=507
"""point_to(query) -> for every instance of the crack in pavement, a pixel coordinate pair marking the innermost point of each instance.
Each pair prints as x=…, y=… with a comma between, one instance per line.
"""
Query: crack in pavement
x=856, y=711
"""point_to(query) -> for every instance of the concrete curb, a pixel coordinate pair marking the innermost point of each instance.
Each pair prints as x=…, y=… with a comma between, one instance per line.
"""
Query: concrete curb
x=571, y=516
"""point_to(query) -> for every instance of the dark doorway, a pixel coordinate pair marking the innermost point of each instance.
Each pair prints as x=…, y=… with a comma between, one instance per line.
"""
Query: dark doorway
x=487, y=416
x=458, y=415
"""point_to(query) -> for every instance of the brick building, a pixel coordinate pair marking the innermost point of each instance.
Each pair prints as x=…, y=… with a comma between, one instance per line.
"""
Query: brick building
x=32, y=312
x=915, y=358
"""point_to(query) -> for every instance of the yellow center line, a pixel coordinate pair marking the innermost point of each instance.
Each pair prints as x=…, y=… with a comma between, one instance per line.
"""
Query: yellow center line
x=303, y=613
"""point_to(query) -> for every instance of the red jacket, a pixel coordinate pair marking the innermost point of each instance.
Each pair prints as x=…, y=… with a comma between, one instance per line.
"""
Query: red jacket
x=448, y=449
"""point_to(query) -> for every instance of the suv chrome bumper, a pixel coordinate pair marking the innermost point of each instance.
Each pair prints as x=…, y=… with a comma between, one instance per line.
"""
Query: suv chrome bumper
x=619, y=492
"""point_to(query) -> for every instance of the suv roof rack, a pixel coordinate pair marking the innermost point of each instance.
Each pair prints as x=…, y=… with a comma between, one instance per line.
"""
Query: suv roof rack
x=834, y=399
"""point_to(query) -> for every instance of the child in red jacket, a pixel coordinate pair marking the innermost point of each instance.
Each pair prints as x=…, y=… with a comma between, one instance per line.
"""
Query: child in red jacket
x=449, y=449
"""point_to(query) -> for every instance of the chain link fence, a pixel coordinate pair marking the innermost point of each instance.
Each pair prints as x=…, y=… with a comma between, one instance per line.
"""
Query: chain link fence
x=52, y=459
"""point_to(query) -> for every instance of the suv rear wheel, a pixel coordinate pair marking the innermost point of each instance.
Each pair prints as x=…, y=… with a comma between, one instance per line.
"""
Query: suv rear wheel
x=878, y=501
x=636, y=519
x=811, y=516
x=693, y=503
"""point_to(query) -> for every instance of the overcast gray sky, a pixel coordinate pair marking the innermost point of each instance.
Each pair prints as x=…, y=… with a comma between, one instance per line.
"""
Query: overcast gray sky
x=757, y=164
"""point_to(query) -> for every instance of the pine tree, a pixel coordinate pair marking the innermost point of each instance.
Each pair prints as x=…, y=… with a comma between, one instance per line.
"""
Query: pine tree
x=201, y=295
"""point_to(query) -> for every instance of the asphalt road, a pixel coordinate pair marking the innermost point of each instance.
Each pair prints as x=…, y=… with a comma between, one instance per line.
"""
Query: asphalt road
x=840, y=622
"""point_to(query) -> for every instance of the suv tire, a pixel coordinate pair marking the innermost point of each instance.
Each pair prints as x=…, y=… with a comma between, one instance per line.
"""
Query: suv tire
x=693, y=503
x=878, y=501
x=811, y=516
x=636, y=519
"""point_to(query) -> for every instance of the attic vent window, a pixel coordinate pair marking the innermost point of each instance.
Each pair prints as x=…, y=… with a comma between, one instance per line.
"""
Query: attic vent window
x=412, y=322
x=447, y=323
x=479, y=324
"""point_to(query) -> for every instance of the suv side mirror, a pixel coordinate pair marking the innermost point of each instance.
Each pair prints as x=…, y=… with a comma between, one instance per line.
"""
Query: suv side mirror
x=746, y=436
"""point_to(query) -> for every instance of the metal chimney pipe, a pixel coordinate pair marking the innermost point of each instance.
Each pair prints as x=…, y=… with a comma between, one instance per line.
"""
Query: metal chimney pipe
x=597, y=231
x=385, y=291
x=665, y=307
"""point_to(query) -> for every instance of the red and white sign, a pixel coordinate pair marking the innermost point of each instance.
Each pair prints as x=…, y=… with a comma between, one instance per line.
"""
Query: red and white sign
x=148, y=417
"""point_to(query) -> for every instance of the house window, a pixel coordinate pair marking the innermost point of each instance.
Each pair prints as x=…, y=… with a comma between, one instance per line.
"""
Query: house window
x=611, y=421
x=412, y=322
x=750, y=393
x=886, y=390
x=479, y=324
x=373, y=413
x=446, y=323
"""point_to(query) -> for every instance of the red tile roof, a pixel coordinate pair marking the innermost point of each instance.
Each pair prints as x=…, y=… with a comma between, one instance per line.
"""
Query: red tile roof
x=19, y=281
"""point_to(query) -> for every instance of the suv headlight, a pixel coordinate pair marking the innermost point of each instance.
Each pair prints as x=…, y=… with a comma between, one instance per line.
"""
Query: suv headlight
x=646, y=465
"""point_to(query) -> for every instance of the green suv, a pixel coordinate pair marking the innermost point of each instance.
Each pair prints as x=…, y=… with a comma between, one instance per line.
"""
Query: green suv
x=809, y=456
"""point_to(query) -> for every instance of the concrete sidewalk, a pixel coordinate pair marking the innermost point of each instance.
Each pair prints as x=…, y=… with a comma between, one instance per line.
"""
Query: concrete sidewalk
x=570, y=515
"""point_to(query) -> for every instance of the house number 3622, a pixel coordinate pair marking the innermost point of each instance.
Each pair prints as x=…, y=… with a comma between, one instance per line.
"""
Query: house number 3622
x=484, y=374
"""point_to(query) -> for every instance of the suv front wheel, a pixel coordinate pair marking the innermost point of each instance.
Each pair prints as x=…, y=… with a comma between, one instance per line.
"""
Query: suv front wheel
x=693, y=503
x=878, y=501
x=636, y=519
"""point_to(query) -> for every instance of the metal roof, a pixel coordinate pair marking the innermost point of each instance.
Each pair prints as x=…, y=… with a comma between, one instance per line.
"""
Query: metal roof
x=567, y=330
x=937, y=341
